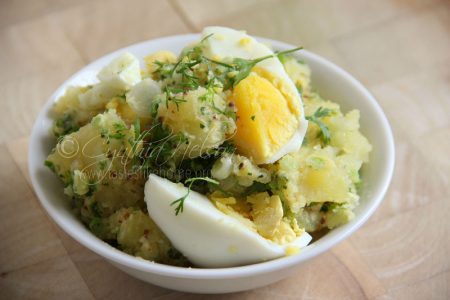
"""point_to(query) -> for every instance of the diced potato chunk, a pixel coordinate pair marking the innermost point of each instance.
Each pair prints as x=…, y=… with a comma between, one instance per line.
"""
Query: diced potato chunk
x=300, y=74
x=345, y=135
x=199, y=120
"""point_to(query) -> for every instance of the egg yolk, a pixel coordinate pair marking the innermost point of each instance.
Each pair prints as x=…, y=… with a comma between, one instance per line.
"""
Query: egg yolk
x=267, y=116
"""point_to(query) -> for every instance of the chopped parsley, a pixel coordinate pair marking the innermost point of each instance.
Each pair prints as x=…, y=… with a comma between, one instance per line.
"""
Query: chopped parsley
x=95, y=209
x=240, y=68
x=180, y=201
x=137, y=128
x=315, y=118
x=120, y=131
x=103, y=164
x=50, y=165
x=92, y=188
x=65, y=125
x=171, y=96
x=315, y=162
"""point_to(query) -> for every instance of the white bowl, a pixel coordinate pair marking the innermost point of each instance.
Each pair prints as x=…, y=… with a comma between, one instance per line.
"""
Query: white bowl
x=331, y=81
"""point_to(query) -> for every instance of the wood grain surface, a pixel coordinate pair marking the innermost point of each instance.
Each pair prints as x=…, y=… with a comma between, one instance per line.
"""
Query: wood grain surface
x=400, y=49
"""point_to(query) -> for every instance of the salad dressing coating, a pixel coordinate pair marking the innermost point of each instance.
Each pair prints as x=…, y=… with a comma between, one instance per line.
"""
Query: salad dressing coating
x=195, y=120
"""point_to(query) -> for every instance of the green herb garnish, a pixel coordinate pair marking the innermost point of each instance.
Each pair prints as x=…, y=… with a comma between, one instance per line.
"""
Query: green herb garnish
x=315, y=118
x=92, y=189
x=209, y=98
x=120, y=131
x=50, y=165
x=242, y=67
x=171, y=98
x=103, y=164
x=65, y=125
x=95, y=209
x=137, y=128
x=190, y=181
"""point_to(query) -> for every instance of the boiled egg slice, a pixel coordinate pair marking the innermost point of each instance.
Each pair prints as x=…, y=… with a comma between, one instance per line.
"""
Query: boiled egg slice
x=122, y=72
x=205, y=235
x=141, y=95
x=270, y=117
x=115, y=78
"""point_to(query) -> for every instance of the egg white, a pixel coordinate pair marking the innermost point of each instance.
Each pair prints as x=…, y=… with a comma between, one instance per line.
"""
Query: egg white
x=204, y=234
x=224, y=43
x=141, y=95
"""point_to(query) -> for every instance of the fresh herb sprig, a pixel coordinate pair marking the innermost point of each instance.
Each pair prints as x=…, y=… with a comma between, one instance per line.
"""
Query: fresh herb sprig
x=120, y=131
x=229, y=75
x=170, y=94
x=65, y=125
x=242, y=67
x=180, y=201
x=316, y=118
x=185, y=66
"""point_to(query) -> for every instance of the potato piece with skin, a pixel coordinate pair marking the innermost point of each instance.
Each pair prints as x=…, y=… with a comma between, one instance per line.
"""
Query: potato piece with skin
x=267, y=212
x=199, y=119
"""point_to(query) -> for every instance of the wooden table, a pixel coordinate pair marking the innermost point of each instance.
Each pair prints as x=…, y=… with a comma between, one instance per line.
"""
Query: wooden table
x=399, y=49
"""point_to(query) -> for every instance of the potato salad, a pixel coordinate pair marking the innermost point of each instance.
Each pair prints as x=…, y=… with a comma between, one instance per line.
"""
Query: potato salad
x=221, y=155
